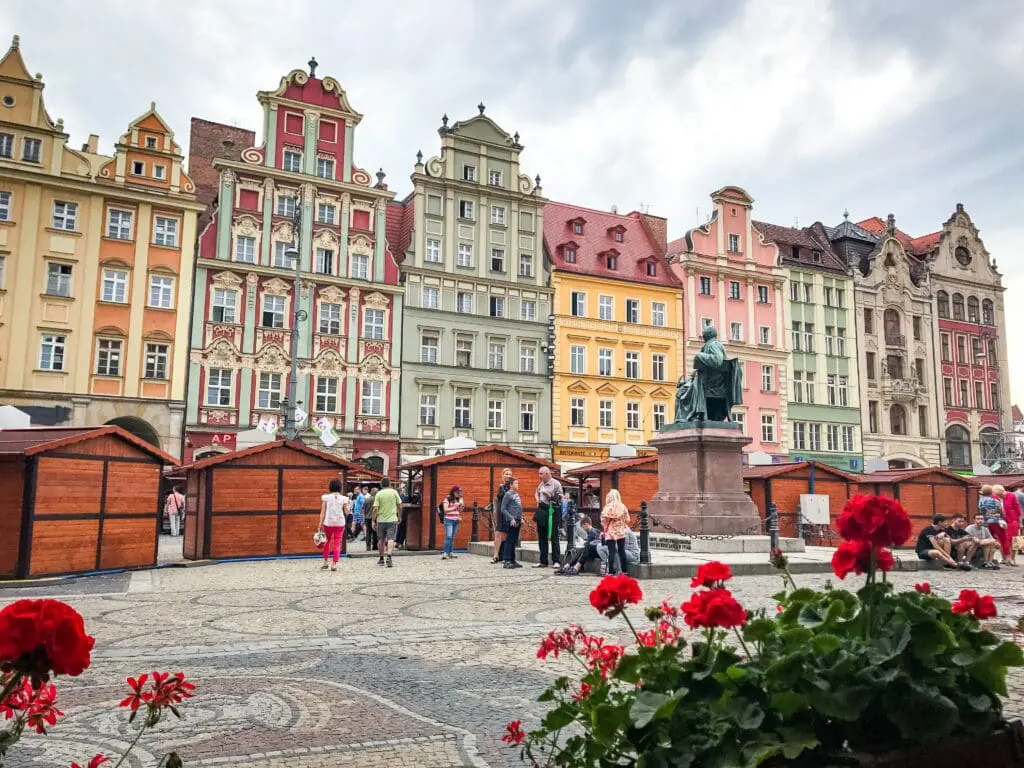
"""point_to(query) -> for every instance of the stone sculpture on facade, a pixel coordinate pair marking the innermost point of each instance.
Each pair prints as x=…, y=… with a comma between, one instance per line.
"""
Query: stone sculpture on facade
x=713, y=388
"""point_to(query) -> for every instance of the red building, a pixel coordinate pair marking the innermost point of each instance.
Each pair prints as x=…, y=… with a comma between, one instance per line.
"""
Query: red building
x=299, y=189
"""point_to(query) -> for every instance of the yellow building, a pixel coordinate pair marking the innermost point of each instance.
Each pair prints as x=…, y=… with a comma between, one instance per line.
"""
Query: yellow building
x=618, y=331
x=96, y=257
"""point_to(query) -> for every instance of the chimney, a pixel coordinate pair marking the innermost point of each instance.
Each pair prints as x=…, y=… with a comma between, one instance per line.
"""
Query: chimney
x=615, y=209
x=92, y=145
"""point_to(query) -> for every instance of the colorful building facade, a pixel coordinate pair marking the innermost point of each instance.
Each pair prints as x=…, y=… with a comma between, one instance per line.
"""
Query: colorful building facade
x=474, y=357
x=823, y=391
x=96, y=259
x=617, y=329
x=299, y=189
x=732, y=280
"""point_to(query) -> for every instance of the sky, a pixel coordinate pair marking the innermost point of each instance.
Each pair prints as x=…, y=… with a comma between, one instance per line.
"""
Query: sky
x=813, y=106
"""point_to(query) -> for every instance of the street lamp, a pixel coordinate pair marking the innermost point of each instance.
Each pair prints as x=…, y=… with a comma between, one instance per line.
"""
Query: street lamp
x=291, y=429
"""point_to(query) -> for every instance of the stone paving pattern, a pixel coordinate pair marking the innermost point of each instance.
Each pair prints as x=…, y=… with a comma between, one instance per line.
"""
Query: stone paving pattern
x=419, y=665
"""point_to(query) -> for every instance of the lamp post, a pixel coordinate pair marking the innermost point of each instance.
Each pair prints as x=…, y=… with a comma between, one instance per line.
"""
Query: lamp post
x=291, y=429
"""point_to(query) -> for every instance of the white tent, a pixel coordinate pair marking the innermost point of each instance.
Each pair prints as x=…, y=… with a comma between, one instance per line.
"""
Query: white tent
x=12, y=418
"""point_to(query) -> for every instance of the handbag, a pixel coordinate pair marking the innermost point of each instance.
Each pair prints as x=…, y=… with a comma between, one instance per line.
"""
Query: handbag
x=319, y=538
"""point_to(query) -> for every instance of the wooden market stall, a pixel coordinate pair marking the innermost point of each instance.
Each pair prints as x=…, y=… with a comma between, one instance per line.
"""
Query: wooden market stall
x=783, y=484
x=478, y=473
x=78, y=499
x=262, y=501
x=924, y=492
x=635, y=479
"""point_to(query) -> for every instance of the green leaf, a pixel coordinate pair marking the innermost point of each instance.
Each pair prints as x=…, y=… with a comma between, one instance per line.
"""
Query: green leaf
x=748, y=714
x=980, y=702
x=760, y=630
x=990, y=669
x=885, y=649
x=796, y=740
x=846, y=704
x=628, y=668
x=825, y=644
x=922, y=713
x=1009, y=654
x=788, y=703
x=558, y=718
x=650, y=706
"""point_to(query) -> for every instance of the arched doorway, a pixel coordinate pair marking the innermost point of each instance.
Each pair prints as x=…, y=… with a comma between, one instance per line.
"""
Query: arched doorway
x=897, y=419
x=958, y=447
x=375, y=463
x=139, y=427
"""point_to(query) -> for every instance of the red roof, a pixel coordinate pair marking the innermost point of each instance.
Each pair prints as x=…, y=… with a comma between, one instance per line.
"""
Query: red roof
x=597, y=242
x=918, y=246
x=899, y=475
x=296, y=445
x=1016, y=414
x=431, y=461
x=926, y=243
x=612, y=466
x=34, y=440
x=1009, y=482
x=771, y=470
x=398, y=227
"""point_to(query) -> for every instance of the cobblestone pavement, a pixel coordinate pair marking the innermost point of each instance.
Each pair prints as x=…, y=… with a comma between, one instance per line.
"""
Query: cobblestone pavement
x=419, y=665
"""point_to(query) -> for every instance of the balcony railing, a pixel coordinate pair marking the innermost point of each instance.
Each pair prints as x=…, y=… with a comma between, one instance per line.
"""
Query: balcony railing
x=895, y=340
x=903, y=389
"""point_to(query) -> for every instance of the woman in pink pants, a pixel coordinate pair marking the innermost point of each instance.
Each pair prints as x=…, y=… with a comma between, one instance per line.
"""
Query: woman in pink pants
x=334, y=507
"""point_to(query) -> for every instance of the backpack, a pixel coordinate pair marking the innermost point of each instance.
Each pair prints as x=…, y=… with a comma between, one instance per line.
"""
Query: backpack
x=440, y=512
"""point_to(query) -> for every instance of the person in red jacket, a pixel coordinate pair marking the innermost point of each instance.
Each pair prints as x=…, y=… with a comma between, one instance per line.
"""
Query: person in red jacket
x=1011, y=514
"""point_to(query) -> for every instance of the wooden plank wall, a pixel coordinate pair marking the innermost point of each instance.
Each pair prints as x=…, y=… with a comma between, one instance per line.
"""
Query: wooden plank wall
x=12, y=476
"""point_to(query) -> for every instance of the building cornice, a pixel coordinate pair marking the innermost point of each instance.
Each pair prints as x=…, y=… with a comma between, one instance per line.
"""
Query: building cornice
x=307, y=277
x=599, y=280
x=94, y=187
x=298, y=179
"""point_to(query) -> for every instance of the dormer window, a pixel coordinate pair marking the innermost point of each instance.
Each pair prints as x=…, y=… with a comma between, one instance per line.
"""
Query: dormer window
x=150, y=142
x=570, y=254
x=618, y=237
x=652, y=269
x=796, y=251
x=611, y=261
x=617, y=232
x=577, y=225
x=816, y=257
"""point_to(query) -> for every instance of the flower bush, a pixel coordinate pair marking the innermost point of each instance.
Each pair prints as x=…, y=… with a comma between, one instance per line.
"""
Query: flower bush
x=40, y=639
x=828, y=673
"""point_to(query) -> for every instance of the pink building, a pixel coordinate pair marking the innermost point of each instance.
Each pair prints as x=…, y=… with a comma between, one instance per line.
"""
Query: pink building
x=733, y=280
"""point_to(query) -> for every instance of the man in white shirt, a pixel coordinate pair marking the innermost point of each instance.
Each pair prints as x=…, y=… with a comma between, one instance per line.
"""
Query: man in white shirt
x=985, y=540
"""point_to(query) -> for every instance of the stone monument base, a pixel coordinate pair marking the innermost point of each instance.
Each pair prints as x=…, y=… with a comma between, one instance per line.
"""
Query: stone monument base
x=700, y=480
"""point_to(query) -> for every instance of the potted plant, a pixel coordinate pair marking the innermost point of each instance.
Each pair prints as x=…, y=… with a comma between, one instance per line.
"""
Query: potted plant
x=874, y=677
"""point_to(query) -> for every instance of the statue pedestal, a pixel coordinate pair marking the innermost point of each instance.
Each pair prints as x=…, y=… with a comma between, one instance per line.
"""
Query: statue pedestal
x=700, y=479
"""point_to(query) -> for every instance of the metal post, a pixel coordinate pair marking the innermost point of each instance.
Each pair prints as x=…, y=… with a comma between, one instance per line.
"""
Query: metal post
x=291, y=429
x=475, y=533
x=773, y=525
x=645, y=535
x=570, y=524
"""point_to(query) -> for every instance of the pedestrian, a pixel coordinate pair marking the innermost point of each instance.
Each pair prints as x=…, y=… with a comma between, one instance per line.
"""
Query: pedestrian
x=334, y=506
x=499, y=521
x=615, y=521
x=174, y=508
x=368, y=527
x=589, y=551
x=992, y=508
x=1011, y=516
x=512, y=516
x=548, y=517
x=357, y=511
x=386, y=505
x=452, y=507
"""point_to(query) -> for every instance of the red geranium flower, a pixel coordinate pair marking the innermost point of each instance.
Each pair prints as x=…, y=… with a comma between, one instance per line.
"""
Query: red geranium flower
x=713, y=608
x=924, y=588
x=558, y=641
x=38, y=705
x=970, y=602
x=876, y=519
x=165, y=690
x=855, y=556
x=712, y=574
x=96, y=762
x=584, y=692
x=613, y=593
x=43, y=637
x=514, y=733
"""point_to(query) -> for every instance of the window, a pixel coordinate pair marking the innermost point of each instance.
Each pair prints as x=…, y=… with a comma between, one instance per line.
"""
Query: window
x=497, y=260
x=734, y=243
x=809, y=386
x=873, y=416
x=919, y=369
x=652, y=269
x=830, y=347
x=51, y=352
x=157, y=357
x=138, y=168
x=495, y=414
x=798, y=341
x=325, y=168
x=767, y=378
x=814, y=431
x=325, y=261
x=433, y=252
x=360, y=266
x=605, y=308
x=428, y=410
x=578, y=304
x=494, y=180
x=958, y=446
x=832, y=437
x=767, y=427
x=464, y=303
x=897, y=419
x=658, y=413
x=734, y=289
x=618, y=236
x=808, y=293
x=992, y=361
x=828, y=296
x=840, y=298
x=223, y=306
x=218, y=386
x=604, y=362
x=632, y=311
x=658, y=367
x=108, y=357
x=794, y=291
x=605, y=418
x=161, y=291
x=525, y=265
x=972, y=310
x=245, y=249
x=979, y=395
x=798, y=386
x=3, y=267
x=632, y=365
x=869, y=364
x=799, y=436
x=577, y=228
x=58, y=279
x=165, y=232
x=268, y=394
x=869, y=320
x=611, y=262
x=469, y=172
x=578, y=359
x=465, y=258
x=993, y=396
x=286, y=205
x=632, y=415
x=808, y=337
x=466, y=209
x=577, y=412
x=6, y=145
x=570, y=255
x=527, y=309
x=848, y=439
x=463, y=409
x=326, y=213
x=977, y=355
x=115, y=286
x=330, y=318
x=291, y=160
x=764, y=335
x=762, y=297
x=326, y=395
x=373, y=324
x=947, y=355
x=119, y=224
x=282, y=255
x=527, y=417
x=150, y=142
x=273, y=312
x=5, y=206
x=947, y=391
x=159, y=171
x=527, y=358
x=30, y=150
x=706, y=322
x=916, y=324
x=497, y=306
x=65, y=216
x=496, y=356
x=735, y=331
x=961, y=349
x=705, y=286
x=741, y=419
x=964, y=402
x=987, y=315
x=958, y=307
x=498, y=215
x=431, y=297
x=463, y=352
x=841, y=342
x=894, y=366
x=658, y=314
x=372, y=401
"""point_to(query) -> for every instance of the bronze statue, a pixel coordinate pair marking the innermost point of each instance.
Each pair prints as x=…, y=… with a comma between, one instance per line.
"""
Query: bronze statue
x=714, y=386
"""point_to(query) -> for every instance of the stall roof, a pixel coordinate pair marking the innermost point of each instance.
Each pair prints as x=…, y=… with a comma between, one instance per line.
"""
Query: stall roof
x=1007, y=481
x=33, y=440
x=900, y=475
x=511, y=453
x=612, y=466
x=759, y=471
x=296, y=445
